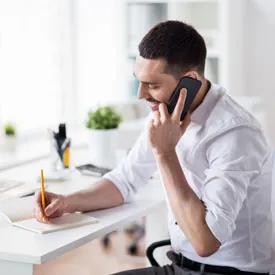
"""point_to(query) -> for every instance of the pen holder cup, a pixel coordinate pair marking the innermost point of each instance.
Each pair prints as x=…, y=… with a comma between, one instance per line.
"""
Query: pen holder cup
x=60, y=154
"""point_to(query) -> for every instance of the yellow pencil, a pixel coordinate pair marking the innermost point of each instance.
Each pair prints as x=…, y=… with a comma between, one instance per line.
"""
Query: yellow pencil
x=43, y=193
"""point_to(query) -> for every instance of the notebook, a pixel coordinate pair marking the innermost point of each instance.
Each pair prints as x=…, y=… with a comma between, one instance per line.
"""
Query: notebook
x=18, y=212
x=13, y=189
x=6, y=184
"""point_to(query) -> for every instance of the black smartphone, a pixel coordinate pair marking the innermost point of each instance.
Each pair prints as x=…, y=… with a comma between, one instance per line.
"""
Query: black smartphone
x=192, y=86
x=92, y=170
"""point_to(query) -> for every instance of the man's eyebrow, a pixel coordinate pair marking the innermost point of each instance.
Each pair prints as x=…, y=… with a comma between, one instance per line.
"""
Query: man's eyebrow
x=146, y=83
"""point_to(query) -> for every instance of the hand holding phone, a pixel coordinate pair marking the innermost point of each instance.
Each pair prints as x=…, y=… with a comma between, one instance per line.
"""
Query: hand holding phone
x=170, y=132
x=192, y=86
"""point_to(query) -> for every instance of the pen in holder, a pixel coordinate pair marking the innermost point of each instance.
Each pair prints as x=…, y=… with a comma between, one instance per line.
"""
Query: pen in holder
x=65, y=152
x=60, y=149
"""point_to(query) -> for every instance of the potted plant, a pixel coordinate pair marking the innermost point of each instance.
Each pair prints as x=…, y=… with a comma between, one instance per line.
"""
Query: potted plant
x=103, y=132
x=10, y=134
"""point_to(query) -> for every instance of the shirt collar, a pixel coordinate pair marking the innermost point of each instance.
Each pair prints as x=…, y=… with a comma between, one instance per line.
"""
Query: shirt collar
x=201, y=113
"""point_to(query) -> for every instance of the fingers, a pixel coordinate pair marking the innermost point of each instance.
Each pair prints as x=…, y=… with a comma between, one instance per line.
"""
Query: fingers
x=38, y=211
x=38, y=214
x=161, y=115
x=52, y=208
x=157, y=118
x=180, y=104
x=163, y=112
x=150, y=124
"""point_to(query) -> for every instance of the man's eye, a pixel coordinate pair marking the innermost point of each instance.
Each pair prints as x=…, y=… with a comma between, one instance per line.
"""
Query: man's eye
x=153, y=87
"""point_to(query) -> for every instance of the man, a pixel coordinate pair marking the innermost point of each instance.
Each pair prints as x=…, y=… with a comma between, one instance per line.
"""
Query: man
x=215, y=165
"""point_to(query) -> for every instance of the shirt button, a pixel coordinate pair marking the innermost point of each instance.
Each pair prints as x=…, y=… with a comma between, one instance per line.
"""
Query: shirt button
x=176, y=223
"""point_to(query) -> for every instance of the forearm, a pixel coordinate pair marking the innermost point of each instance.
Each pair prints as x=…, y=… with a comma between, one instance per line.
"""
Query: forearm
x=101, y=195
x=189, y=211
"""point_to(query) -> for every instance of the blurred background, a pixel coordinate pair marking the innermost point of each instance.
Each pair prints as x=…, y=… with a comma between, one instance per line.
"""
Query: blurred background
x=60, y=58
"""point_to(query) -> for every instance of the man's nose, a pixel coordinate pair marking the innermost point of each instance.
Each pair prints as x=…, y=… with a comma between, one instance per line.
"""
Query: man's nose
x=142, y=92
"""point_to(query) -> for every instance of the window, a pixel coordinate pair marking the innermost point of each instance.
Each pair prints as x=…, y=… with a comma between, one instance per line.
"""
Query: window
x=100, y=53
x=59, y=58
x=35, y=60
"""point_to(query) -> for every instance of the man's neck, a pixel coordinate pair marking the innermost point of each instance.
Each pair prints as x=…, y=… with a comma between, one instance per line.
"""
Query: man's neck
x=201, y=94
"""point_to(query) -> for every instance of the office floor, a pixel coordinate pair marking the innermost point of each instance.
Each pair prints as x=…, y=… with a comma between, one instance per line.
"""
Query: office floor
x=94, y=259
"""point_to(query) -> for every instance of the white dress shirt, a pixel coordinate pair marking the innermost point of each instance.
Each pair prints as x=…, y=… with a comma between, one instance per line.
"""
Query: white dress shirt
x=228, y=164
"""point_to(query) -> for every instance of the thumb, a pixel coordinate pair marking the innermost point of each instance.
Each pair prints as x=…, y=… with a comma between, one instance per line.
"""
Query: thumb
x=51, y=208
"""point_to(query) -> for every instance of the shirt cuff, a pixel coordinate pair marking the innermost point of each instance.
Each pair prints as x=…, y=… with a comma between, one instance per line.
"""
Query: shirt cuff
x=122, y=187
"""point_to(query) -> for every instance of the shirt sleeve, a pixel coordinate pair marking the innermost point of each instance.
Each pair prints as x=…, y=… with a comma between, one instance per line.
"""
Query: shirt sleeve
x=235, y=158
x=136, y=169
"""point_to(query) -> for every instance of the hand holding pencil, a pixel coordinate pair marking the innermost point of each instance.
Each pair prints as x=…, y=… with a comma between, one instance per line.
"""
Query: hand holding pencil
x=47, y=205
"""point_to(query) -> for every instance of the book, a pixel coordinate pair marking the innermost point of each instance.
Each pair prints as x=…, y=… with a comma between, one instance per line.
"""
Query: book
x=6, y=184
x=18, y=212
x=13, y=189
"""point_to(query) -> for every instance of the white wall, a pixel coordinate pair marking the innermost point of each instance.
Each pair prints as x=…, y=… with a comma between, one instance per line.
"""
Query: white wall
x=260, y=57
x=100, y=52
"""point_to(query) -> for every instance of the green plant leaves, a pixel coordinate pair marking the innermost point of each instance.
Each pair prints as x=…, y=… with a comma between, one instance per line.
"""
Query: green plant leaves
x=104, y=117
x=9, y=129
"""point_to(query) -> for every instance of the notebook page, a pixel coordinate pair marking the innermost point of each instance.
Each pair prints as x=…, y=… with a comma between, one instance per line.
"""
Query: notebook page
x=61, y=223
x=17, y=209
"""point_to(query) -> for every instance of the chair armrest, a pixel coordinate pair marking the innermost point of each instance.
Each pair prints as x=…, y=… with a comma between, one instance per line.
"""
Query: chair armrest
x=152, y=247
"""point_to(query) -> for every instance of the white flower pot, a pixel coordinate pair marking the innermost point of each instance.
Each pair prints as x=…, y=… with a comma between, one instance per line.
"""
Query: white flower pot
x=102, y=147
x=10, y=143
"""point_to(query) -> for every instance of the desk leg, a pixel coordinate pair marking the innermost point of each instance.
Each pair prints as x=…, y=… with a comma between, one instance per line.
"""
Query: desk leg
x=15, y=268
x=156, y=229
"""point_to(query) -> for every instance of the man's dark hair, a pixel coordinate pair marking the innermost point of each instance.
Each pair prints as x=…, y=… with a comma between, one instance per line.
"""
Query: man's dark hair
x=178, y=43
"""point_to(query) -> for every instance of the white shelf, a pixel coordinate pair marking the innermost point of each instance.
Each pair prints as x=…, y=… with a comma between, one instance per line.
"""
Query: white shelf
x=194, y=1
x=147, y=2
x=170, y=1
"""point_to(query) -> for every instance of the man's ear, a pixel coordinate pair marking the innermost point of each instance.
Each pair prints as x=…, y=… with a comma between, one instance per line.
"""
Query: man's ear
x=192, y=74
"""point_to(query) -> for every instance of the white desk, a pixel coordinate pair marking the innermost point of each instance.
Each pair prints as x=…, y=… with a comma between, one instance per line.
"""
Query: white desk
x=20, y=249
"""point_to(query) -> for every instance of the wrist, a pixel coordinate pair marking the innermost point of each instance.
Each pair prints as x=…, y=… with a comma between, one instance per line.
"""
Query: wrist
x=166, y=155
x=66, y=204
